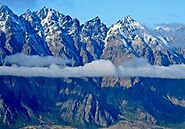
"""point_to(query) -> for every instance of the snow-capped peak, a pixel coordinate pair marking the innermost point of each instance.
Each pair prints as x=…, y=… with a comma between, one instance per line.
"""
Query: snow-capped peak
x=115, y=28
x=125, y=27
x=125, y=24
x=47, y=31
x=128, y=20
x=48, y=12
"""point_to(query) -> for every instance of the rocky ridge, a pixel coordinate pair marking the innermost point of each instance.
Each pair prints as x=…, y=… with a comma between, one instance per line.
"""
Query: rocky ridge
x=88, y=102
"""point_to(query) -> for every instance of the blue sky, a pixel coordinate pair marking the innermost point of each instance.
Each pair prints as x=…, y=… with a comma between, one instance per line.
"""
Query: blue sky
x=148, y=12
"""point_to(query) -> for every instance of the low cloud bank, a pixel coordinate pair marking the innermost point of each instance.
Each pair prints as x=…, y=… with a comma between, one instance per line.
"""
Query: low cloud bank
x=99, y=68
x=34, y=60
x=95, y=69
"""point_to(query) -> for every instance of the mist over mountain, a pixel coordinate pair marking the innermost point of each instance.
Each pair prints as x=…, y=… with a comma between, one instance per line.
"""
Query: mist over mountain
x=122, y=76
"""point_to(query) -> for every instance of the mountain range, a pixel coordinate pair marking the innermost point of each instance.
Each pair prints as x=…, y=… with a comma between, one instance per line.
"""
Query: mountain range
x=109, y=102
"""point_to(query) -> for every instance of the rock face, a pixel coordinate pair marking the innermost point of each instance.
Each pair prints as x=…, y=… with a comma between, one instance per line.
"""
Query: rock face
x=82, y=103
x=48, y=32
x=89, y=102
x=74, y=102
x=129, y=39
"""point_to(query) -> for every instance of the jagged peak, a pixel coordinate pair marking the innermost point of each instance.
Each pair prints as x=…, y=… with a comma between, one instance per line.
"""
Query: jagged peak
x=96, y=19
x=30, y=16
x=76, y=20
x=128, y=19
x=2, y=6
x=28, y=11
x=49, y=10
x=67, y=18
x=93, y=21
x=5, y=9
x=126, y=22
x=45, y=11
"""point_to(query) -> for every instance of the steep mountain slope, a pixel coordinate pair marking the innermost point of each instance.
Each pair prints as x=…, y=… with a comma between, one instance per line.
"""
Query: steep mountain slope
x=129, y=39
x=174, y=34
x=89, y=102
x=81, y=103
x=48, y=32
x=75, y=102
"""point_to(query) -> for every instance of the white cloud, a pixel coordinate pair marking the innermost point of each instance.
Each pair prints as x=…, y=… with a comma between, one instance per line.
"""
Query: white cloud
x=96, y=68
x=33, y=61
x=99, y=68
x=173, y=72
